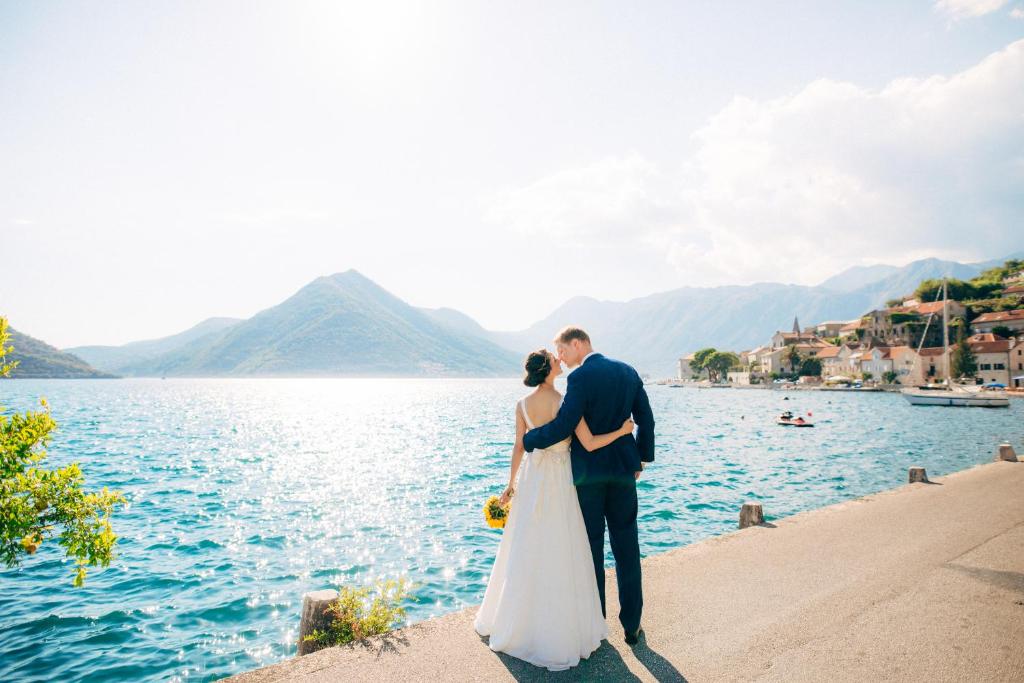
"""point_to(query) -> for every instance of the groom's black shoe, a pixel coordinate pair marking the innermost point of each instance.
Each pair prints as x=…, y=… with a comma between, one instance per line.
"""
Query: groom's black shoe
x=634, y=638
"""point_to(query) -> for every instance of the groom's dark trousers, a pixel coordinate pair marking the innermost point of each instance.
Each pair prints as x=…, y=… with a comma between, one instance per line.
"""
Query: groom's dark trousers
x=606, y=392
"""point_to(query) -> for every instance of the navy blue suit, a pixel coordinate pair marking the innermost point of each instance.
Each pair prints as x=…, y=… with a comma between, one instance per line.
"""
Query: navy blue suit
x=606, y=392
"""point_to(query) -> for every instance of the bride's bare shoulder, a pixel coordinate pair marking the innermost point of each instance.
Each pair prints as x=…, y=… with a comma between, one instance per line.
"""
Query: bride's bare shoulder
x=552, y=398
x=538, y=400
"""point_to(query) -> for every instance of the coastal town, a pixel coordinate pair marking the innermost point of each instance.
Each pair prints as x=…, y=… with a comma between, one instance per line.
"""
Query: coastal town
x=900, y=345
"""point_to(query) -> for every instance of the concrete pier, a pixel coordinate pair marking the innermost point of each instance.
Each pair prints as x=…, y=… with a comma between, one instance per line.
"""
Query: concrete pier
x=921, y=583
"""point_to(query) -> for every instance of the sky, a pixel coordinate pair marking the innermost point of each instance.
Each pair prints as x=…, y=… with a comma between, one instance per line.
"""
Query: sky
x=162, y=163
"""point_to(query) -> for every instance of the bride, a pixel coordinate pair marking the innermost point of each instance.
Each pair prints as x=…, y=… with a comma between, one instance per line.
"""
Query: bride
x=541, y=603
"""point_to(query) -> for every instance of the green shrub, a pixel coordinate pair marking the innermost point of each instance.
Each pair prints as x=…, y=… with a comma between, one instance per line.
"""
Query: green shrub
x=361, y=612
x=37, y=504
x=898, y=318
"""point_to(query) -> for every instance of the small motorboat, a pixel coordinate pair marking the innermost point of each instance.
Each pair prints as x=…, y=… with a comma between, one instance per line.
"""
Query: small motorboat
x=787, y=420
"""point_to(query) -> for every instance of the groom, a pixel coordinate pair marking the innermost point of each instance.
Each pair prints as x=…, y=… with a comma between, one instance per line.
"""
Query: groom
x=606, y=392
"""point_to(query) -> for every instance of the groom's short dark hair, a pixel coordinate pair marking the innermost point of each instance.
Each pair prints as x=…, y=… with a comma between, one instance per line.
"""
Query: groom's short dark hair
x=569, y=333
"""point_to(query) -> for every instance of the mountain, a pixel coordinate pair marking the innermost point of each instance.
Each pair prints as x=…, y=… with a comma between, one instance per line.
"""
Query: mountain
x=117, y=358
x=857, y=277
x=37, y=359
x=339, y=325
x=345, y=324
x=906, y=279
x=458, y=322
x=652, y=332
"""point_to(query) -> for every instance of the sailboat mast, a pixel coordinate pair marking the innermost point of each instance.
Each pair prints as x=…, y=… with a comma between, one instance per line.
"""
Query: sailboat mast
x=945, y=332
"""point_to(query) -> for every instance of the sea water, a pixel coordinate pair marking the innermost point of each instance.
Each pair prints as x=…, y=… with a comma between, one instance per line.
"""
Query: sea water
x=245, y=493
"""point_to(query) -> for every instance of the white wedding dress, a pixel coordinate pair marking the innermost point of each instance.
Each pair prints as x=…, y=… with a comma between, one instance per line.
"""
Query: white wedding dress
x=541, y=603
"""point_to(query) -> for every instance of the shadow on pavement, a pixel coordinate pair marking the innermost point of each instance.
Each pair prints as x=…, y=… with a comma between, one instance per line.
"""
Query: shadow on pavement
x=605, y=664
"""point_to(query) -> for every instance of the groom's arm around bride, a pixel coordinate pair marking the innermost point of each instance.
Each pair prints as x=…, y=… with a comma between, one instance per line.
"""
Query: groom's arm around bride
x=605, y=392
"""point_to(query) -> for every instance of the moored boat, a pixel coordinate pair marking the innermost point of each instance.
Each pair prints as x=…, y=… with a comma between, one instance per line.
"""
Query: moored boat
x=952, y=394
x=961, y=397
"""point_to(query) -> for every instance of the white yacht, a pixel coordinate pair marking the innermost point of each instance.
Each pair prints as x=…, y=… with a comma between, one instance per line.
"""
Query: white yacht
x=953, y=394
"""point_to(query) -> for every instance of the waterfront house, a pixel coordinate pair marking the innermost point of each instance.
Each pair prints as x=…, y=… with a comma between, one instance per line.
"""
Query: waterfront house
x=986, y=322
x=931, y=367
x=874, y=360
x=835, y=361
x=992, y=353
x=772, y=361
x=685, y=371
x=757, y=358
x=1015, y=360
x=903, y=361
x=740, y=377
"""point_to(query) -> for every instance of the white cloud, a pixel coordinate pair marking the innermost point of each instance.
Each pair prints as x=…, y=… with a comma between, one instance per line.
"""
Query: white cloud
x=966, y=9
x=597, y=200
x=1017, y=13
x=798, y=187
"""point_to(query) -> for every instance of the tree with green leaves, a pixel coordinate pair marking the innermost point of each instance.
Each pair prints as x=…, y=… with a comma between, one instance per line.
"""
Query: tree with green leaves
x=794, y=358
x=963, y=362
x=700, y=359
x=890, y=376
x=719, y=363
x=810, y=367
x=37, y=504
x=1002, y=331
x=957, y=290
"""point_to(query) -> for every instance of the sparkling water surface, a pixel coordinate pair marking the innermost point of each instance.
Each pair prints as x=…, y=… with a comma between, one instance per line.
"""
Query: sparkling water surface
x=246, y=493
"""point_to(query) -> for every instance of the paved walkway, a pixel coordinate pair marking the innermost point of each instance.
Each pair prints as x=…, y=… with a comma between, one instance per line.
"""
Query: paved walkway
x=922, y=583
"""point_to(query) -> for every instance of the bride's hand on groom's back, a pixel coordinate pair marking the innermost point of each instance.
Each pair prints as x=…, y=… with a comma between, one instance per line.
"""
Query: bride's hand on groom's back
x=627, y=427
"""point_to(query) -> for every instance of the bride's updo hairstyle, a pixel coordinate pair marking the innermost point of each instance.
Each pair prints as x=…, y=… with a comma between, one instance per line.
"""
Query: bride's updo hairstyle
x=538, y=365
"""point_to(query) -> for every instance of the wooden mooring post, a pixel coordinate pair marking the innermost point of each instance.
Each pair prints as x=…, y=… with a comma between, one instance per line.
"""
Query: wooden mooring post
x=751, y=514
x=314, y=617
x=918, y=475
x=1006, y=453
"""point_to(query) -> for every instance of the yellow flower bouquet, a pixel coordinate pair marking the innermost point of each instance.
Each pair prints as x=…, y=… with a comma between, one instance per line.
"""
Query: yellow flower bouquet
x=495, y=513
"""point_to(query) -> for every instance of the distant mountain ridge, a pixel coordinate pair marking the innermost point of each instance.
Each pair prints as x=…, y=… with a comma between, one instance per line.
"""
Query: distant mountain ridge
x=652, y=332
x=38, y=360
x=117, y=358
x=338, y=325
x=345, y=324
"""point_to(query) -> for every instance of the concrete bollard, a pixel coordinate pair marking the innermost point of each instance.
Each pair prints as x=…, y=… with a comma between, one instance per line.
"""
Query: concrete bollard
x=1006, y=453
x=918, y=475
x=313, y=617
x=751, y=515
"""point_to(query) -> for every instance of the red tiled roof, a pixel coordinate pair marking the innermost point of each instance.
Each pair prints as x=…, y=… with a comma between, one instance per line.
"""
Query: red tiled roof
x=931, y=307
x=897, y=350
x=931, y=351
x=990, y=346
x=1016, y=289
x=830, y=352
x=999, y=316
x=984, y=337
